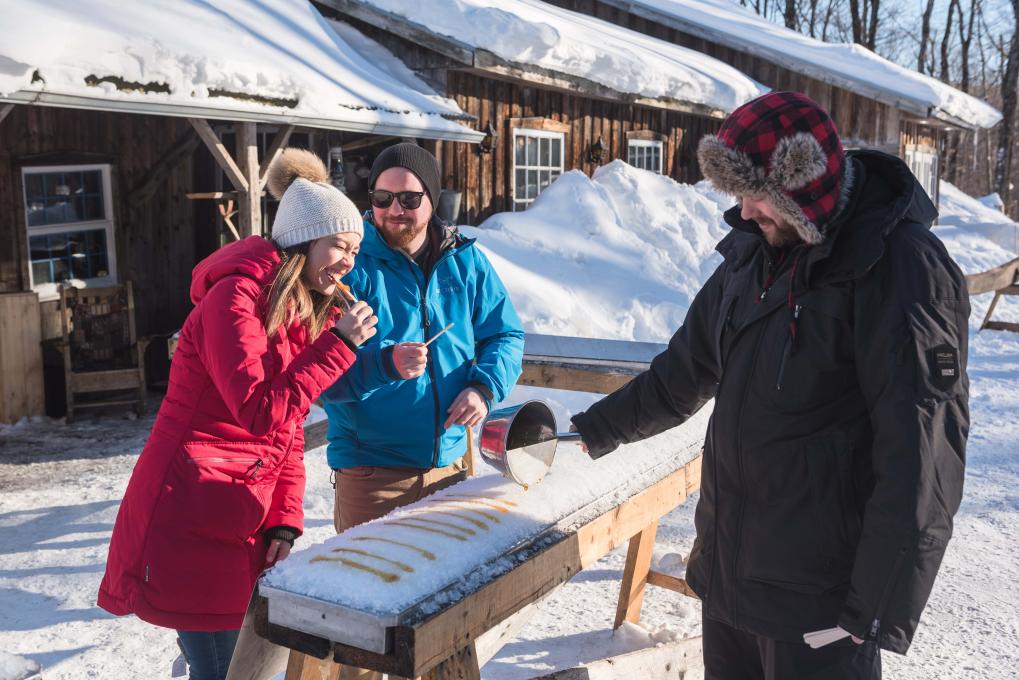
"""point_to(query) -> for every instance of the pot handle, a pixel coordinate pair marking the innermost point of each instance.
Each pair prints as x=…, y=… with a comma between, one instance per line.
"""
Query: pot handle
x=567, y=436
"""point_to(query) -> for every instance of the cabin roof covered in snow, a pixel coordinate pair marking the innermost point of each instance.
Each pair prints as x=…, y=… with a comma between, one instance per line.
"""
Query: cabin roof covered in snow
x=277, y=62
x=538, y=42
x=849, y=66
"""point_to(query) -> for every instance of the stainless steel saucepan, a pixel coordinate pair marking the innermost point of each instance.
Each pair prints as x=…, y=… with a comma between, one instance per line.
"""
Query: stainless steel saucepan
x=520, y=441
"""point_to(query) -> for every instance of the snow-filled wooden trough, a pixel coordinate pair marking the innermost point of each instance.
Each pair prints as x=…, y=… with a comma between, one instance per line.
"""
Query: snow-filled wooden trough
x=414, y=590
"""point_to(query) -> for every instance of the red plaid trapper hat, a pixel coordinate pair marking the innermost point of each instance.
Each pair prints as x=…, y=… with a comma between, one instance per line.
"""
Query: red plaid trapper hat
x=782, y=147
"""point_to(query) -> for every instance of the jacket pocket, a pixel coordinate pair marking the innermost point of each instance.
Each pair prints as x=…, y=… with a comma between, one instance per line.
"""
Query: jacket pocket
x=227, y=486
x=201, y=544
x=798, y=529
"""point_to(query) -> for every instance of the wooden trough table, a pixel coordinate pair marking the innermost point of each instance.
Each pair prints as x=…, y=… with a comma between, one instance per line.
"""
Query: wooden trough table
x=453, y=632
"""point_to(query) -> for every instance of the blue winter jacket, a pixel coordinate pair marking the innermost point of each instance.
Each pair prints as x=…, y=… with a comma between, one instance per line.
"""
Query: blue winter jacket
x=375, y=418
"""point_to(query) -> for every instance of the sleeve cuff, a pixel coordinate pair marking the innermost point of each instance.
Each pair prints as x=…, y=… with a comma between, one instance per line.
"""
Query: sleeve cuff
x=281, y=533
x=483, y=388
x=388, y=364
x=351, y=346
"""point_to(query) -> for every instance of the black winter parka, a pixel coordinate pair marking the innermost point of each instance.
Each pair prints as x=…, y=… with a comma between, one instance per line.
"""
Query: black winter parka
x=834, y=458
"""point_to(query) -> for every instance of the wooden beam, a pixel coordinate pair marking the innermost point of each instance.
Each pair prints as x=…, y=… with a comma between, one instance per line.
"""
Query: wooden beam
x=365, y=142
x=213, y=195
x=218, y=151
x=599, y=380
x=4, y=110
x=278, y=143
x=249, y=205
x=638, y=563
x=993, y=279
x=670, y=582
x=463, y=665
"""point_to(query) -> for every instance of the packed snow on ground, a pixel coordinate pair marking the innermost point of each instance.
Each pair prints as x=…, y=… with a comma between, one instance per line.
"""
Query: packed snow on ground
x=537, y=33
x=62, y=483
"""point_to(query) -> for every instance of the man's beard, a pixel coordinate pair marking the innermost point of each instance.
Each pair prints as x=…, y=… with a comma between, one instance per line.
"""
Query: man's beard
x=401, y=238
x=780, y=236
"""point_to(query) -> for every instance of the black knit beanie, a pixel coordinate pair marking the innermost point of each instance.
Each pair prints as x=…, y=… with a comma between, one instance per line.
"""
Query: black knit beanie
x=411, y=156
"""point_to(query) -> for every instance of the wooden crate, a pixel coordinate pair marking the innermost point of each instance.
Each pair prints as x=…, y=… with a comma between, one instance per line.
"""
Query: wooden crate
x=21, y=384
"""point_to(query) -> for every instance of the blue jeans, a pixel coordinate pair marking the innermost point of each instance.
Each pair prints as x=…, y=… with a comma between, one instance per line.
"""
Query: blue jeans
x=208, y=653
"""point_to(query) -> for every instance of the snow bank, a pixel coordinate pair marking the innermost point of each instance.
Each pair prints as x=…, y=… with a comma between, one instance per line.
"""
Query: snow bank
x=536, y=33
x=280, y=57
x=858, y=68
x=16, y=667
x=978, y=237
x=618, y=256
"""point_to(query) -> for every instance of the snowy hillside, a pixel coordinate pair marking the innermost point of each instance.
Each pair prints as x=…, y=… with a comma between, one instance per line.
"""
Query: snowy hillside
x=620, y=255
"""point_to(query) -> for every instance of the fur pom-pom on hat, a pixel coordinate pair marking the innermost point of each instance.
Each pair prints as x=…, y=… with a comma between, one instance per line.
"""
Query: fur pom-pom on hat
x=291, y=164
x=310, y=207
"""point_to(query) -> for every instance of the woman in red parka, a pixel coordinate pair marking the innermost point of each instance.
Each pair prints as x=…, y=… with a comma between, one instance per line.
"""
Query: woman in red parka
x=216, y=495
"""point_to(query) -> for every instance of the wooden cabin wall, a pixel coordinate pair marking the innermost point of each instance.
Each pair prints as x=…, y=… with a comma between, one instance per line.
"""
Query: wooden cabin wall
x=484, y=178
x=154, y=222
x=862, y=122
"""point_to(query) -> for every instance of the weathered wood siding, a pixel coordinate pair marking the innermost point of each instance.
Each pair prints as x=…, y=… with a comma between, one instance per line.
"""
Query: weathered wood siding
x=485, y=179
x=154, y=225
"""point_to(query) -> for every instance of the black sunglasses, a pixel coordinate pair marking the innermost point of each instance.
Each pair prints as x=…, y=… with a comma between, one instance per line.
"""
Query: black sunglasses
x=409, y=200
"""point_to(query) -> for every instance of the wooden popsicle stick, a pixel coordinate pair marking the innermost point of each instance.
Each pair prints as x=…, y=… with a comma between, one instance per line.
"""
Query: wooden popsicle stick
x=432, y=339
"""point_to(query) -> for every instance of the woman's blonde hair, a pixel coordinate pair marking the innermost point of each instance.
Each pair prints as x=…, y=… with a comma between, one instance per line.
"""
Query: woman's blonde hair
x=289, y=296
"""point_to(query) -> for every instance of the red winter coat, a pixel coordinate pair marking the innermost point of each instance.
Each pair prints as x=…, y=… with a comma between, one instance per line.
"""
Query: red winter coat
x=225, y=459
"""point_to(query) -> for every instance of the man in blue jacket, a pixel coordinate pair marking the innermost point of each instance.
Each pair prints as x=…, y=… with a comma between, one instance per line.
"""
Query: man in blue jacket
x=398, y=418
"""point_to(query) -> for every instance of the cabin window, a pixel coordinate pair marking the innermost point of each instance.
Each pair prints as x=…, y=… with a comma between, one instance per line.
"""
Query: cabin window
x=645, y=154
x=923, y=161
x=69, y=218
x=537, y=161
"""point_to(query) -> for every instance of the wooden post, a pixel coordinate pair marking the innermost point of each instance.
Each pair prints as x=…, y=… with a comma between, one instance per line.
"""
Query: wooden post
x=250, y=204
x=305, y=667
x=638, y=563
x=463, y=665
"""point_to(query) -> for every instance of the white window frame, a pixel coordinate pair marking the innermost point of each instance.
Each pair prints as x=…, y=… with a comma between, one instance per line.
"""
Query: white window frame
x=923, y=163
x=633, y=144
x=524, y=203
x=49, y=291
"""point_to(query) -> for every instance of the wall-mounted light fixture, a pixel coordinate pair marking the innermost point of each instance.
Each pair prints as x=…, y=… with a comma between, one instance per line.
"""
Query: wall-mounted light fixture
x=597, y=151
x=487, y=142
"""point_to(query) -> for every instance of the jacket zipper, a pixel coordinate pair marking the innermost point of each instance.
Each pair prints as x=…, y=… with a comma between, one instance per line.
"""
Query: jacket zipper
x=788, y=350
x=251, y=472
x=875, y=625
x=426, y=323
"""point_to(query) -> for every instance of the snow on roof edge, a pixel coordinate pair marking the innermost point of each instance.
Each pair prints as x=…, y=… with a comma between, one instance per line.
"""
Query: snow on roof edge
x=896, y=98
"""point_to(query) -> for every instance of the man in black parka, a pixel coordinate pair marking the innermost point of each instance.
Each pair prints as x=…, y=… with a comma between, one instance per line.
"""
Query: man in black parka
x=833, y=339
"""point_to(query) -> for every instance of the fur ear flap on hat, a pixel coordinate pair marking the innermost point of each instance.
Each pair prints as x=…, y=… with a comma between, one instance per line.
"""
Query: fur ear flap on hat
x=291, y=164
x=797, y=161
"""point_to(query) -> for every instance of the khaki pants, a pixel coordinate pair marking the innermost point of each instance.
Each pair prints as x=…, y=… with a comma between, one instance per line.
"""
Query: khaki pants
x=366, y=493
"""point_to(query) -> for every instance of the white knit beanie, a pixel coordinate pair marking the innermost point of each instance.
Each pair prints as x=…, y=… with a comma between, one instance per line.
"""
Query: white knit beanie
x=310, y=207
